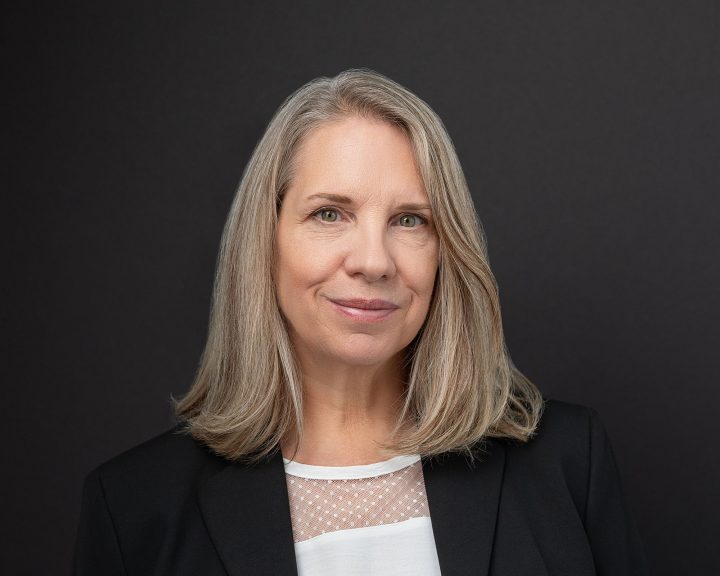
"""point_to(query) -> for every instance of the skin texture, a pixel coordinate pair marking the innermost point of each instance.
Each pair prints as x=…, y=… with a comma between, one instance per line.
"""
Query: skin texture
x=367, y=248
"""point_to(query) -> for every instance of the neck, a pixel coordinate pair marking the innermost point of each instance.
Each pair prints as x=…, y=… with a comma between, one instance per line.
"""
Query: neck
x=347, y=412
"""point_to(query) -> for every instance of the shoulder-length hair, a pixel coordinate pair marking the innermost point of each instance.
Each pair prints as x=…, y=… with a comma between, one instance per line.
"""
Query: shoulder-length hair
x=461, y=384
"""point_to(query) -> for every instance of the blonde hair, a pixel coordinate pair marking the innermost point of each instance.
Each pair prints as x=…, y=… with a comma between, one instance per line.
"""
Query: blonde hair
x=461, y=383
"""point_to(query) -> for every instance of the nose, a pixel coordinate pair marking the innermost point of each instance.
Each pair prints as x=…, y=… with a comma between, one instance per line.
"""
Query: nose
x=370, y=253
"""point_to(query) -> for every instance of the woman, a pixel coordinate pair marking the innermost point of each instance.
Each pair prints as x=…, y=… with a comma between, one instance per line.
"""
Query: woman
x=355, y=410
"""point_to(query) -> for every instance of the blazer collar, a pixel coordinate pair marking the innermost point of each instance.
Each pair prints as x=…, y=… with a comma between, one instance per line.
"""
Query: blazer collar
x=247, y=513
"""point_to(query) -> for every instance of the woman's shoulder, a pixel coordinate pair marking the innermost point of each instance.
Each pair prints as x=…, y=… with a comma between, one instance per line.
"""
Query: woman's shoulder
x=569, y=447
x=568, y=472
x=565, y=430
x=565, y=420
x=171, y=460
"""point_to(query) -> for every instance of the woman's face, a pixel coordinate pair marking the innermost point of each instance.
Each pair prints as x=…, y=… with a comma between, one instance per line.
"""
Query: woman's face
x=355, y=226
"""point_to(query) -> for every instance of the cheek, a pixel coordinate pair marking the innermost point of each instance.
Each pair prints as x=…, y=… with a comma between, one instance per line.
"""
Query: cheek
x=422, y=271
x=299, y=267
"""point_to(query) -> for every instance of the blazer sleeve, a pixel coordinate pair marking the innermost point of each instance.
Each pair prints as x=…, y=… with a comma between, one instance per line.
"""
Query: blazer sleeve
x=97, y=550
x=615, y=542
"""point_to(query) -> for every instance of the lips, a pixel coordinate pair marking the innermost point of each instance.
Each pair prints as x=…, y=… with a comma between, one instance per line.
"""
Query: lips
x=363, y=310
x=365, y=304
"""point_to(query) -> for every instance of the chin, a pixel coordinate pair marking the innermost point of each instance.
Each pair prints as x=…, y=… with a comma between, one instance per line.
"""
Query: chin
x=359, y=355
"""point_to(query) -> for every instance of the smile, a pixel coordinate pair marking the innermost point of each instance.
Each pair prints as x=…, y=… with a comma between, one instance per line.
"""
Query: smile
x=361, y=314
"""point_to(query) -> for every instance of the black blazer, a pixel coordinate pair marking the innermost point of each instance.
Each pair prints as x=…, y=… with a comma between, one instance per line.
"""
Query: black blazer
x=553, y=506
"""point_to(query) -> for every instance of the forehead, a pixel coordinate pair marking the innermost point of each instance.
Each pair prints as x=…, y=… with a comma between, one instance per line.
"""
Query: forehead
x=357, y=158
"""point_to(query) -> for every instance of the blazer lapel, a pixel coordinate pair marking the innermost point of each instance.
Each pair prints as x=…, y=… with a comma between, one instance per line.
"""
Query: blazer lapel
x=247, y=513
x=463, y=501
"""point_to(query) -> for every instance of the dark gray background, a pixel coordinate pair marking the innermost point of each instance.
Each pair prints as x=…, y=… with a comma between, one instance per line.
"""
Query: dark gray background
x=589, y=136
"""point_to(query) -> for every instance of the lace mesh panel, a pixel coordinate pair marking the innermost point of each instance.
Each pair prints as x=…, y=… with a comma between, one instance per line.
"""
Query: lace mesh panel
x=319, y=506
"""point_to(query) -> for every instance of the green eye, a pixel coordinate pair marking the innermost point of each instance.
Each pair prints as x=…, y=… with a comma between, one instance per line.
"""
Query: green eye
x=328, y=215
x=409, y=220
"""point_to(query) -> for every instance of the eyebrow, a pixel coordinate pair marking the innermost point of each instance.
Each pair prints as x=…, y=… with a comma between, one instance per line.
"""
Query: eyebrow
x=340, y=199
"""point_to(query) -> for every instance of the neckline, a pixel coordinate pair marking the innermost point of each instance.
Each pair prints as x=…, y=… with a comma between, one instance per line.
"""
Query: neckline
x=349, y=472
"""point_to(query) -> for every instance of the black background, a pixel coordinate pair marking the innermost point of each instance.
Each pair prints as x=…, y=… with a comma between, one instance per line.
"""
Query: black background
x=589, y=136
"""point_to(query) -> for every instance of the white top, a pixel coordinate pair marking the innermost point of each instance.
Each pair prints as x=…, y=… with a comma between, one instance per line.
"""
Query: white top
x=361, y=520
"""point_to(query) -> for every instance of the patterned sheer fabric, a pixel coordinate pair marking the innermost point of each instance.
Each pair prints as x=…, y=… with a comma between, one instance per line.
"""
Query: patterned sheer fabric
x=323, y=504
x=361, y=520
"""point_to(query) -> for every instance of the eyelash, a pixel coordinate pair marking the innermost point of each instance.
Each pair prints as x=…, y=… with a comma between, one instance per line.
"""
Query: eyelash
x=315, y=213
